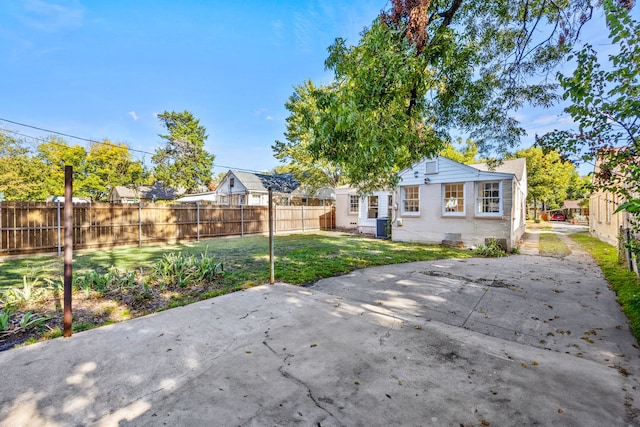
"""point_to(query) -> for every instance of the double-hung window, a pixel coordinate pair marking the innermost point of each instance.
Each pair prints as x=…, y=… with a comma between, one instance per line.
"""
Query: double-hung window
x=410, y=200
x=372, y=211
x=354, y=204
x=453, y=199
x=490, y=198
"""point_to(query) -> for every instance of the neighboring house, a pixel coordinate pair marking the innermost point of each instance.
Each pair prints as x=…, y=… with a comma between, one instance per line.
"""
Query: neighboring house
x=323, y=196
x=56, y=199
x=252, y=189
x=576, y=210
x=142, y=193
x=604, y=223
x=205, y=197
x=443, y=201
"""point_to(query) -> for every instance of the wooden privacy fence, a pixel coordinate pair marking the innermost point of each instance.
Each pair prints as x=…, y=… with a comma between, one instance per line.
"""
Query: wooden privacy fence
x=34, y=227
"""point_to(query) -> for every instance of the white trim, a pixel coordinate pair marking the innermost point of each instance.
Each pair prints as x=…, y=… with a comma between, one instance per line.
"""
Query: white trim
x=478, y=211
x=349, y=204
x=402, y=200
x=444, y=203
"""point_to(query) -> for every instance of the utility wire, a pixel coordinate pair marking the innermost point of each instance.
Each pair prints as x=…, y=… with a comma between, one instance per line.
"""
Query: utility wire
x=98, y=142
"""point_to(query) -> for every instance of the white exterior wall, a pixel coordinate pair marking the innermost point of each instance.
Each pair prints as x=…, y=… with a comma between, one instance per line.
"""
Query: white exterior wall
x=433, y=225
x=344, y=218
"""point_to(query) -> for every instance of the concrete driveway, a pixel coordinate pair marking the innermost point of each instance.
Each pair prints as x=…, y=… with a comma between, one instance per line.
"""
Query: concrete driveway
x=521, y=340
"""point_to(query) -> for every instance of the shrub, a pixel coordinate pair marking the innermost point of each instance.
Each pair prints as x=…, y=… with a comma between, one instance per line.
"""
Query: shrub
x=492, y=250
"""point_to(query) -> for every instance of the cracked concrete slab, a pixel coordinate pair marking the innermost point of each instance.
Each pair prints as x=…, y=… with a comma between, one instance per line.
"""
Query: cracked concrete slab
x=521, y=340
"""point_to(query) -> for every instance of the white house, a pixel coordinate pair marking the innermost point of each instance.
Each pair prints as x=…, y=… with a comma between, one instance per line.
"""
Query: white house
x=252, y=189
x=443, y=201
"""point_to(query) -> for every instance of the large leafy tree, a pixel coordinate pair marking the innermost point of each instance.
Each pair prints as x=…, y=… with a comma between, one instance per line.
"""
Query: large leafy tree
x=21, y=175
x=108, y=165
x=548, y=177
x=311, y=172
x=55, y=154
x=605, y=102
x=427, y=66
x=183, y=162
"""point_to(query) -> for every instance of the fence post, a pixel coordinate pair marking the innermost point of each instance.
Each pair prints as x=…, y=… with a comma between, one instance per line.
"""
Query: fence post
x=68, y=250
x=140, y=224
x=271, y=261
x=241, y=220
x=59, y=225
x=302, y=211
x=198, y=221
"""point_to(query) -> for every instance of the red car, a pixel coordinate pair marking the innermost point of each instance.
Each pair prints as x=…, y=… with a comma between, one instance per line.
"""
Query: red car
x=558, y=216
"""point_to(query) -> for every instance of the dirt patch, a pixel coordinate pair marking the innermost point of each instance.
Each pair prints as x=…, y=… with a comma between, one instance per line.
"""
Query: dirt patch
x=94, y=309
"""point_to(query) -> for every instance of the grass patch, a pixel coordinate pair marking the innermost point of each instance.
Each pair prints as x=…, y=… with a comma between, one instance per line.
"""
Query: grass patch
x=121, y=283
x=624, y=282
x=552, y=245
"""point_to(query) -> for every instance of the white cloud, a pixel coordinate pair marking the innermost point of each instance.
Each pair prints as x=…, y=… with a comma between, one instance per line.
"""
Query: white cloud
x=269, y=118
x=52, y=17
x=133, y=115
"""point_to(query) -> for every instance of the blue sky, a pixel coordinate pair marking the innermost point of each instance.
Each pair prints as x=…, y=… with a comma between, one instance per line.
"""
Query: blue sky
x=104, y=69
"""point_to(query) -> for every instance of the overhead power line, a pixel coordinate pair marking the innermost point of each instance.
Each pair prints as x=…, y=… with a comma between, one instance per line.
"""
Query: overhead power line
x=99, y=142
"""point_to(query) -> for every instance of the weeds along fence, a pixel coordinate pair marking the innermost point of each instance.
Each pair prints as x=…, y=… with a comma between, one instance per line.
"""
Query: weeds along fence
x=626, y=240
x=35, y=227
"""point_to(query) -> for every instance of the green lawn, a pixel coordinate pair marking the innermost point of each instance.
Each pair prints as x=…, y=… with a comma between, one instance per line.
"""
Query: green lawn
x=300, y=258
x=552, y=245
x=625, y=283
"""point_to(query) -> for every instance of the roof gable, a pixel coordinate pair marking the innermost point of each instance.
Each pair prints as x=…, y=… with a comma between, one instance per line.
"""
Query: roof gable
x=445, y=171
x=257, y=182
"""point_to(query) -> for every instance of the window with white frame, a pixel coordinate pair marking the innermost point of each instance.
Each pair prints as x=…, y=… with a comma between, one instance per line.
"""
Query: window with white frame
x=372, y=207
x=354, y=203
x=410, y=198
x=256, y=199
x=453, y=199
x=489, y=198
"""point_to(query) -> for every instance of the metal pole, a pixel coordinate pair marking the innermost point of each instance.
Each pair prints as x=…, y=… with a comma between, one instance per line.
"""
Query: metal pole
x=198, y=220
x=140, y=224
x=68, y=249
x=271, y=263
x=59, y=230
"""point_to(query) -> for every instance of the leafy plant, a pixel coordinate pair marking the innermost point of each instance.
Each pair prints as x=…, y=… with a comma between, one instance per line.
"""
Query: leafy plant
x=30, y=291
x=181, y=270
x=5, y=318
x=492, y=250
x=29, y=319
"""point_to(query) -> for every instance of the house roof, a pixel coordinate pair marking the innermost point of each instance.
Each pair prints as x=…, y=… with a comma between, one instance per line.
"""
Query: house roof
x=147, y=192
x=209, y=196
x=514, y=166
x=571, y=204
x=280, y=183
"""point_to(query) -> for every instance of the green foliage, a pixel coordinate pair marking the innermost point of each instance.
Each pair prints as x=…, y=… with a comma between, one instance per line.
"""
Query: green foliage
x=548, y=176
x=113, y=279
x=183, y=161
x=604, y=104
x=467, y=153
x=108, y=165
x=184, y=270
x=311, y=172
x=492, y=250
x=20, y=174
x=423, y=68
x=5, y=318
